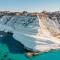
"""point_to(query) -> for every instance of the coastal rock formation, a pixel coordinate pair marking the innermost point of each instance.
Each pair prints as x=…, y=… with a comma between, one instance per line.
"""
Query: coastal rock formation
x=39, y=33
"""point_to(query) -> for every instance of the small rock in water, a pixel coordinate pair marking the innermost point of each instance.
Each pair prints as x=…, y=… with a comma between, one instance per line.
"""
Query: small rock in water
x=9, y=59
x=5, y=55
x=30, y=54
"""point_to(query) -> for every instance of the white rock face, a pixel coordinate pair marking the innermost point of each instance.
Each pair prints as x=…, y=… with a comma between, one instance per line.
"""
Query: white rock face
x=31, y=32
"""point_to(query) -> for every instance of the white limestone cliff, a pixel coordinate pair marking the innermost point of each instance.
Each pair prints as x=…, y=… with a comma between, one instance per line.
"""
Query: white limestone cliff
x=34, y=33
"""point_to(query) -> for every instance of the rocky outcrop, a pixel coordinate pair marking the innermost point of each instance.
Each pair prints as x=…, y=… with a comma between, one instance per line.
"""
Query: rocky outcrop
x=39, y=33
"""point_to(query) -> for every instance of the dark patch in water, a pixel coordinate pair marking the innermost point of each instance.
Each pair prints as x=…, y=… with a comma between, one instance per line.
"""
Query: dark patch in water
x=13, y=45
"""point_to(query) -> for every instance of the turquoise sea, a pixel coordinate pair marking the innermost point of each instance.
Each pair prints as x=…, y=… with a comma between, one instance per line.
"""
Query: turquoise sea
x=10, y=49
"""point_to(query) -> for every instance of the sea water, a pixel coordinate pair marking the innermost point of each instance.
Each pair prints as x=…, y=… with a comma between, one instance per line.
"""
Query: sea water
x=10, y=49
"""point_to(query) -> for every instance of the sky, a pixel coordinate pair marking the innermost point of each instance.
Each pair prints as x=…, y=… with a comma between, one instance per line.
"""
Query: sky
x=30, y=5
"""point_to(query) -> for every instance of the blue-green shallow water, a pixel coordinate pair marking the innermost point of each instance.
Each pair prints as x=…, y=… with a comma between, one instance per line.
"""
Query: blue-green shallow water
x=10, y=49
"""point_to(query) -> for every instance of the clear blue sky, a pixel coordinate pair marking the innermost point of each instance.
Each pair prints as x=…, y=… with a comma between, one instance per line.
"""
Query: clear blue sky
x=30, y=5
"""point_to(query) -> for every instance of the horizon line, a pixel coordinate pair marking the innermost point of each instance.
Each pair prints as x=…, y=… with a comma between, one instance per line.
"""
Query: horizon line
x=18, y=10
